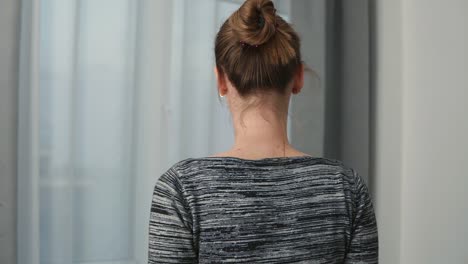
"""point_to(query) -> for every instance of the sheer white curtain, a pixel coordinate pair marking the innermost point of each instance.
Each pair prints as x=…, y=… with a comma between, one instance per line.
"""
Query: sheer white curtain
x=112, y=93
x=81, y=165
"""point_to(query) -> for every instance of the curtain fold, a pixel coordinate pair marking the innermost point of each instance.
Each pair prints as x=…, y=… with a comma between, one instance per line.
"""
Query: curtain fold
x=28, y=229
x=347, y=127
x=330, y=117
x=75, y=195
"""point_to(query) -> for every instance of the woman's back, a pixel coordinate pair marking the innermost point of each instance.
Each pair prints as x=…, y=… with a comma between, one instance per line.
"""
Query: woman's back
x=299, y=209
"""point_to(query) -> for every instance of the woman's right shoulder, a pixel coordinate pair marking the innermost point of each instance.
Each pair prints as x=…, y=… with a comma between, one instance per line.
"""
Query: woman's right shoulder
x=188, y=166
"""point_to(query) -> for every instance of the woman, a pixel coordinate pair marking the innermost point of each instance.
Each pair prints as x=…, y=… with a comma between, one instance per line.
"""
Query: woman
x=262, y=201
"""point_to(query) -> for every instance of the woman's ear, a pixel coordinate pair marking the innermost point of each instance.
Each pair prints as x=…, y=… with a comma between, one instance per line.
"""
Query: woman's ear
x=222, y=89
x=298, y=79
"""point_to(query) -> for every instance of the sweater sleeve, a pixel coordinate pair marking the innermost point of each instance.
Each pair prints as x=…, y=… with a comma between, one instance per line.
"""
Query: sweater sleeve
x=363, y=245
x=170, y=225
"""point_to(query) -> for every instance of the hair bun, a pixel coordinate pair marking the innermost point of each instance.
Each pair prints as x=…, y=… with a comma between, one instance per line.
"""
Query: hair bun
x=254, y=22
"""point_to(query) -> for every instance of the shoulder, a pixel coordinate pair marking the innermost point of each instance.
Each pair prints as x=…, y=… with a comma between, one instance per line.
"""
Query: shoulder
x=170, y=181
x=348, y=173
x=179, y=170
x=338, y=167
x=352, y=181
x=188, y=166
x=355, y=189
x=351, y=175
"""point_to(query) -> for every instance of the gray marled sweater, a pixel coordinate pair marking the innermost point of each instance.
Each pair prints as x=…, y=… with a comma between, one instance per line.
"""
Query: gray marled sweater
x=300, y=209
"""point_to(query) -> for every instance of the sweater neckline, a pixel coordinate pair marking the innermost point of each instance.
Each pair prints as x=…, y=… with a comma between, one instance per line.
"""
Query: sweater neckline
x=262, y=160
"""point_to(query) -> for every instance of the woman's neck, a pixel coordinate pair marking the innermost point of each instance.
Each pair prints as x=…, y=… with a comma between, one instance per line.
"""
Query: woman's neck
x=261, y=133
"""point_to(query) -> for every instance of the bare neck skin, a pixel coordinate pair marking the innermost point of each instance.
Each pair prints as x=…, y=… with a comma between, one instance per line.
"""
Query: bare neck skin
x=260, y=122
x=260, y=131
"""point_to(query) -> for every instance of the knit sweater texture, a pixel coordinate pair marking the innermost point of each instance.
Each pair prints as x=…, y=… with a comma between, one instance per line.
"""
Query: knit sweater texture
x=301, y=209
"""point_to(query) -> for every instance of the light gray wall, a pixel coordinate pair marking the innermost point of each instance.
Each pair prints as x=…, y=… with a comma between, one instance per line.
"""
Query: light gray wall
x=434, y=208
x=9, y=33
x=421, y=148
x=386, y=116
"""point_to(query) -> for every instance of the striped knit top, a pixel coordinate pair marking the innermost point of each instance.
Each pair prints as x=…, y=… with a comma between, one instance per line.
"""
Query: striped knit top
x=300, y=209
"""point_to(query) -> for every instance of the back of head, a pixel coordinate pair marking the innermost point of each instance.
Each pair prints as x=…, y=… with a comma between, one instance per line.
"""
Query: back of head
x=257, y=49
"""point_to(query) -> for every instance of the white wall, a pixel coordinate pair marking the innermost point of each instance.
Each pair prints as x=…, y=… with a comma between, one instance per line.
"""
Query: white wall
x=9, y=26
x=435, y=132
x=386, y=117
x=421, y=131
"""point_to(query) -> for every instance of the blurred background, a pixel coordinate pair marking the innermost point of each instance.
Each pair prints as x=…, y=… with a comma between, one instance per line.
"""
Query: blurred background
x=99, y=97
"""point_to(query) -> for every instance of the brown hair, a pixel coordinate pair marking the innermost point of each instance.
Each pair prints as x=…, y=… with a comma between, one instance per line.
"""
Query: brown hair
x=257, y=49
